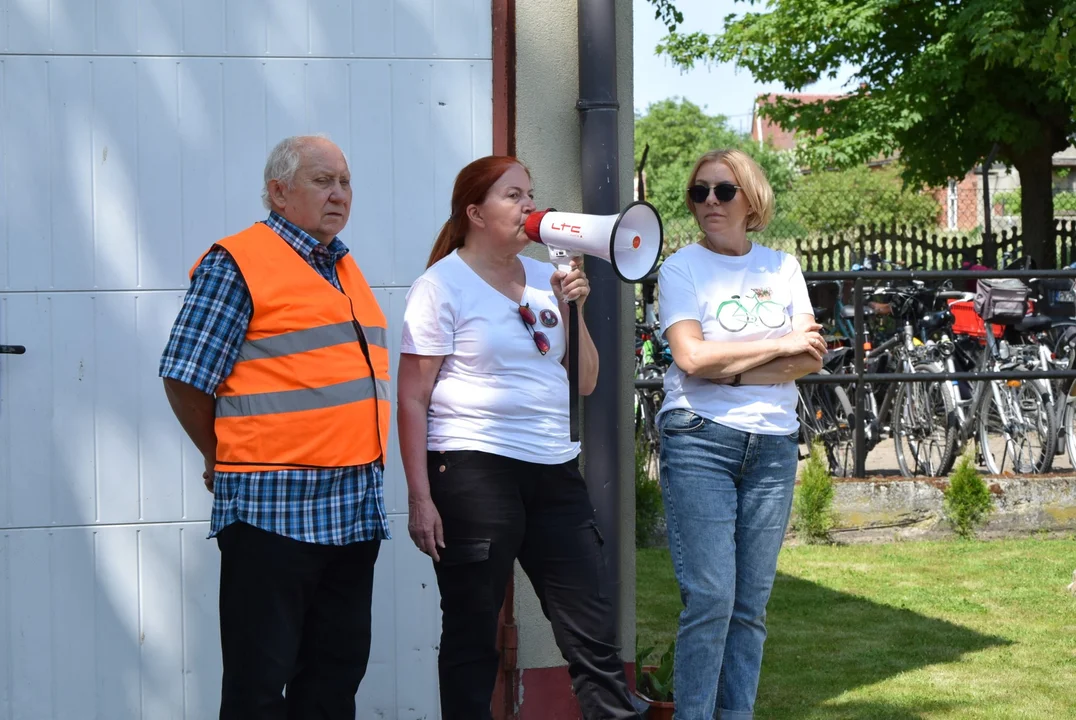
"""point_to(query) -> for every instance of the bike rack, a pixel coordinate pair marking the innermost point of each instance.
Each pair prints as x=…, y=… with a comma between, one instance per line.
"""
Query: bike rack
x=860, y=376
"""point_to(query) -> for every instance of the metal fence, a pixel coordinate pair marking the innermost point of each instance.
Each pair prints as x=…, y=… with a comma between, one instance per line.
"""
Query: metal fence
x=861, y=378
x=829, y=229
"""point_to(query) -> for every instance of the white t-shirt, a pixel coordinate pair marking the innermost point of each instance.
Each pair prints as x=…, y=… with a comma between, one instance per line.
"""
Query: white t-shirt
x=735, y=299
x=495, y=392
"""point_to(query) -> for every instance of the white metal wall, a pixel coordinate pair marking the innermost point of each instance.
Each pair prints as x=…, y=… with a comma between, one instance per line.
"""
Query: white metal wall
x=133, y=134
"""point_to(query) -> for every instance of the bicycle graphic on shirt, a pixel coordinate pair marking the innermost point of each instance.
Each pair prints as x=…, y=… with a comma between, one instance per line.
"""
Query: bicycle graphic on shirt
x=734, y=315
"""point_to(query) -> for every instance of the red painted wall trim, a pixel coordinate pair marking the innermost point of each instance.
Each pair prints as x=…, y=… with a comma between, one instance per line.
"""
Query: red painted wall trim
x=547, y=693
x=507, y=687
x=504, y=143
x=504, y=77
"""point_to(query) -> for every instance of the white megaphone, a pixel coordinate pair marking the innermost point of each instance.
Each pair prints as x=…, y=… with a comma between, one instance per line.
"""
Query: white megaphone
x=631, y=241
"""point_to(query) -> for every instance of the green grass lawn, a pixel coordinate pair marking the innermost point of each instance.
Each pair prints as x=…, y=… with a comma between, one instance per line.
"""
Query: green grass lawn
x=905, y=631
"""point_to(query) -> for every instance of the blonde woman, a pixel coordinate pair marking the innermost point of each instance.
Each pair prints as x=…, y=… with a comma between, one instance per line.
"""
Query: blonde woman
x=741, y=329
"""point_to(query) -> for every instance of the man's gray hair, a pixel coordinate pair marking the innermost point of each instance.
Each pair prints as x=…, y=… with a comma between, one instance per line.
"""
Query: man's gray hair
x=284, y=161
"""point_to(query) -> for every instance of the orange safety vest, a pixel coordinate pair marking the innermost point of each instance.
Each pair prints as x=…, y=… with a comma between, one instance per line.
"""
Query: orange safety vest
x=304, y=391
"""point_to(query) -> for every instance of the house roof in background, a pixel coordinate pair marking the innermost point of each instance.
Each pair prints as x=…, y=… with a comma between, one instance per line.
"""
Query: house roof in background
x=763, y=128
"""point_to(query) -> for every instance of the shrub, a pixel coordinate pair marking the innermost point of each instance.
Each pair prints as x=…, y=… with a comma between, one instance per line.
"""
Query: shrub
x=648, y=506
x=813, y=501
x=967, y=499
x=835, y=200
x=1011, y=201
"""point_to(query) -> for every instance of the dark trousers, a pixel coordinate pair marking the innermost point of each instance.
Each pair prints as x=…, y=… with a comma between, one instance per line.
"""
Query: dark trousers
x=293, y=615
x=494, y=510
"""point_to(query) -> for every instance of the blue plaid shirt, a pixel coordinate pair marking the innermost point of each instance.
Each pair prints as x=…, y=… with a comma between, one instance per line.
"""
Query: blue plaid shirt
x=327, y=506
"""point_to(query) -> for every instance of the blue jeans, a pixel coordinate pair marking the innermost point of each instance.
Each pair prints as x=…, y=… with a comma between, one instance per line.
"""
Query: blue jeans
x=728, y=495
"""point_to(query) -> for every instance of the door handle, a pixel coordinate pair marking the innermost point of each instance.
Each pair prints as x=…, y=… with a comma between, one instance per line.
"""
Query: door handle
x=12, y=349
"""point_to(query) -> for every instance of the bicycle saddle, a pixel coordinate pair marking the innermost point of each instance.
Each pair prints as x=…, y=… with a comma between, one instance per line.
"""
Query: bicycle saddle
x=821, y=313
x=848, y=312
x=834, y=358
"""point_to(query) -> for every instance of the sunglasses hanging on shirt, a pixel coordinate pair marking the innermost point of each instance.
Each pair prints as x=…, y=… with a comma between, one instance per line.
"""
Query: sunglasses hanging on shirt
x=724, y=192
x=540, y=340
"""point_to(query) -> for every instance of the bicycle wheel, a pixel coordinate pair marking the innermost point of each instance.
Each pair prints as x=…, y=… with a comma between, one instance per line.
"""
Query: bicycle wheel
x=825, y=413
x=923, y=429
x=1069, y=430
x=1017, y=429
x=771, y=314
x=732, y=315
x=648, y=403
x=1068, y=422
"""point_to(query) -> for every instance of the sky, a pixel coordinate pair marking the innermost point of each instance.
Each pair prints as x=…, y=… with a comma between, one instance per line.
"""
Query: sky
x=721, y=89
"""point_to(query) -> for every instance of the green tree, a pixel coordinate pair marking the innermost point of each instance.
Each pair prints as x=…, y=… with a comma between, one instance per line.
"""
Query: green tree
x=939, y=83
x=678, y=132
x=833, y=200
x=1001, y=38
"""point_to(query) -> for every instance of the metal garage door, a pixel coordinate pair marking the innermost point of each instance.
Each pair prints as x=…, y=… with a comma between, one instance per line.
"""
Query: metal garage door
x=133, y=134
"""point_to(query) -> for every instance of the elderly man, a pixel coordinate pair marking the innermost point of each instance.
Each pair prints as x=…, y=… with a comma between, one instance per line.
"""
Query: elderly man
x=277, y=368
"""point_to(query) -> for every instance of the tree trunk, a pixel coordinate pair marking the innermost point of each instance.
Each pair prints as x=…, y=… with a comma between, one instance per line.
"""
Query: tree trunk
x=1037, y=202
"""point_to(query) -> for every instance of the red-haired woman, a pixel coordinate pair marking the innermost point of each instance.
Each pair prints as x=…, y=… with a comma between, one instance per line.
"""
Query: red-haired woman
x=491, y=470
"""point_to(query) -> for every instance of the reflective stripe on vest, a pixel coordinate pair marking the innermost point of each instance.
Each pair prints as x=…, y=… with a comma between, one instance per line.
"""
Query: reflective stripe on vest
x=305, y=340
x=303, y=391
x=287, y=401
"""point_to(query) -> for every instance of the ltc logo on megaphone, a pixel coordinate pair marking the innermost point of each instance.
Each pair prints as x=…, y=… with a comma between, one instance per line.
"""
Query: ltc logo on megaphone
x=576, y=230
x=630, y=241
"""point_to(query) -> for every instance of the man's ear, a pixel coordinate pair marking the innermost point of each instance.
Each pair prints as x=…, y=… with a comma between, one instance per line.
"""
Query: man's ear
x=277, y=194
x=475, y=216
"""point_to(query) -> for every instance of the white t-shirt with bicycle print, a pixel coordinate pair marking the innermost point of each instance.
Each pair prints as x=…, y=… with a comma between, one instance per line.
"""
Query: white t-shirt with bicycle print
x=734, y=299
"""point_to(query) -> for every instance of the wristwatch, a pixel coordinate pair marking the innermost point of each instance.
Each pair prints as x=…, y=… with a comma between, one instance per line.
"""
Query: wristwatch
x=736, y=380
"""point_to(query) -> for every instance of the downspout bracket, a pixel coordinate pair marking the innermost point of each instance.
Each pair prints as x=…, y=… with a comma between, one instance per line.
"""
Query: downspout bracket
x=597, y=105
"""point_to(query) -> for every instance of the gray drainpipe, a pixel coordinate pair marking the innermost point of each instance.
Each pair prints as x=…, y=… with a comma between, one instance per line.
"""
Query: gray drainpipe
x=601, y=196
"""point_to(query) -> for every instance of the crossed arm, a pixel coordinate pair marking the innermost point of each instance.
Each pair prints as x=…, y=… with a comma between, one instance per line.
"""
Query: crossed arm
x=757, y=362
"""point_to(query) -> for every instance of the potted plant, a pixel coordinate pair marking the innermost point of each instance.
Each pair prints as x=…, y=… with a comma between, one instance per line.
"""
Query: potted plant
x=654, y=683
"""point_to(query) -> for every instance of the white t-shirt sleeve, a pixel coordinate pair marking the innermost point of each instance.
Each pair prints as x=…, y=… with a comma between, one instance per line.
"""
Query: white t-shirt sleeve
x=801, y=300
x=676, y=294
x=429, y=320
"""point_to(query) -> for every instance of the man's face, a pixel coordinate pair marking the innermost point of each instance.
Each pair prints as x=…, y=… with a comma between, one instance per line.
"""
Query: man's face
x=319, y=199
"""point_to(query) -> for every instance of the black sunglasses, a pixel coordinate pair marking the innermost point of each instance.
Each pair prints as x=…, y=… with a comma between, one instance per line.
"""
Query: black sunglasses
x=724, y=192
x=540, y=340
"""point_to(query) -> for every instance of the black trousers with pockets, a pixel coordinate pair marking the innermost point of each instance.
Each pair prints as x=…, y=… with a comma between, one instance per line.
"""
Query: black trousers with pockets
x=495, y=510
x=294, y=625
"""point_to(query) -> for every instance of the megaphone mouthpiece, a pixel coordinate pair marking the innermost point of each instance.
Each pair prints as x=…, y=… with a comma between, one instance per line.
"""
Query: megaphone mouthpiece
x=532, y=226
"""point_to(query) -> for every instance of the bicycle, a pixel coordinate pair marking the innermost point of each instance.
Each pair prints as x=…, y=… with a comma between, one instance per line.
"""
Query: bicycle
x=825, y=412
x=917, y=413
x=647, y=405
x=1012, y=419
x=830, y=310
x=1051, y=330
x=652, y=358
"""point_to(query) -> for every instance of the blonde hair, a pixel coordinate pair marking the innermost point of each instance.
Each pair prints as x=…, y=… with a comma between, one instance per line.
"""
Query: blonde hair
x=752, y=181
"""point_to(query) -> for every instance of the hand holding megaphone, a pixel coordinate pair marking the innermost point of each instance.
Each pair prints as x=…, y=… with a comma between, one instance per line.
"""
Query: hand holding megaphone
x=630, y=241
x=570, y=283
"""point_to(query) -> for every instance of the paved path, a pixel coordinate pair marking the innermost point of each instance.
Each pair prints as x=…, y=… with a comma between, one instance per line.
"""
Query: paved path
x=882, y=460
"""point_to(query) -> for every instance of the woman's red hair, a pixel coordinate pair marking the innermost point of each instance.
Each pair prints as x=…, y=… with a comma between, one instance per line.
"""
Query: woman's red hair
x=472, y=186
